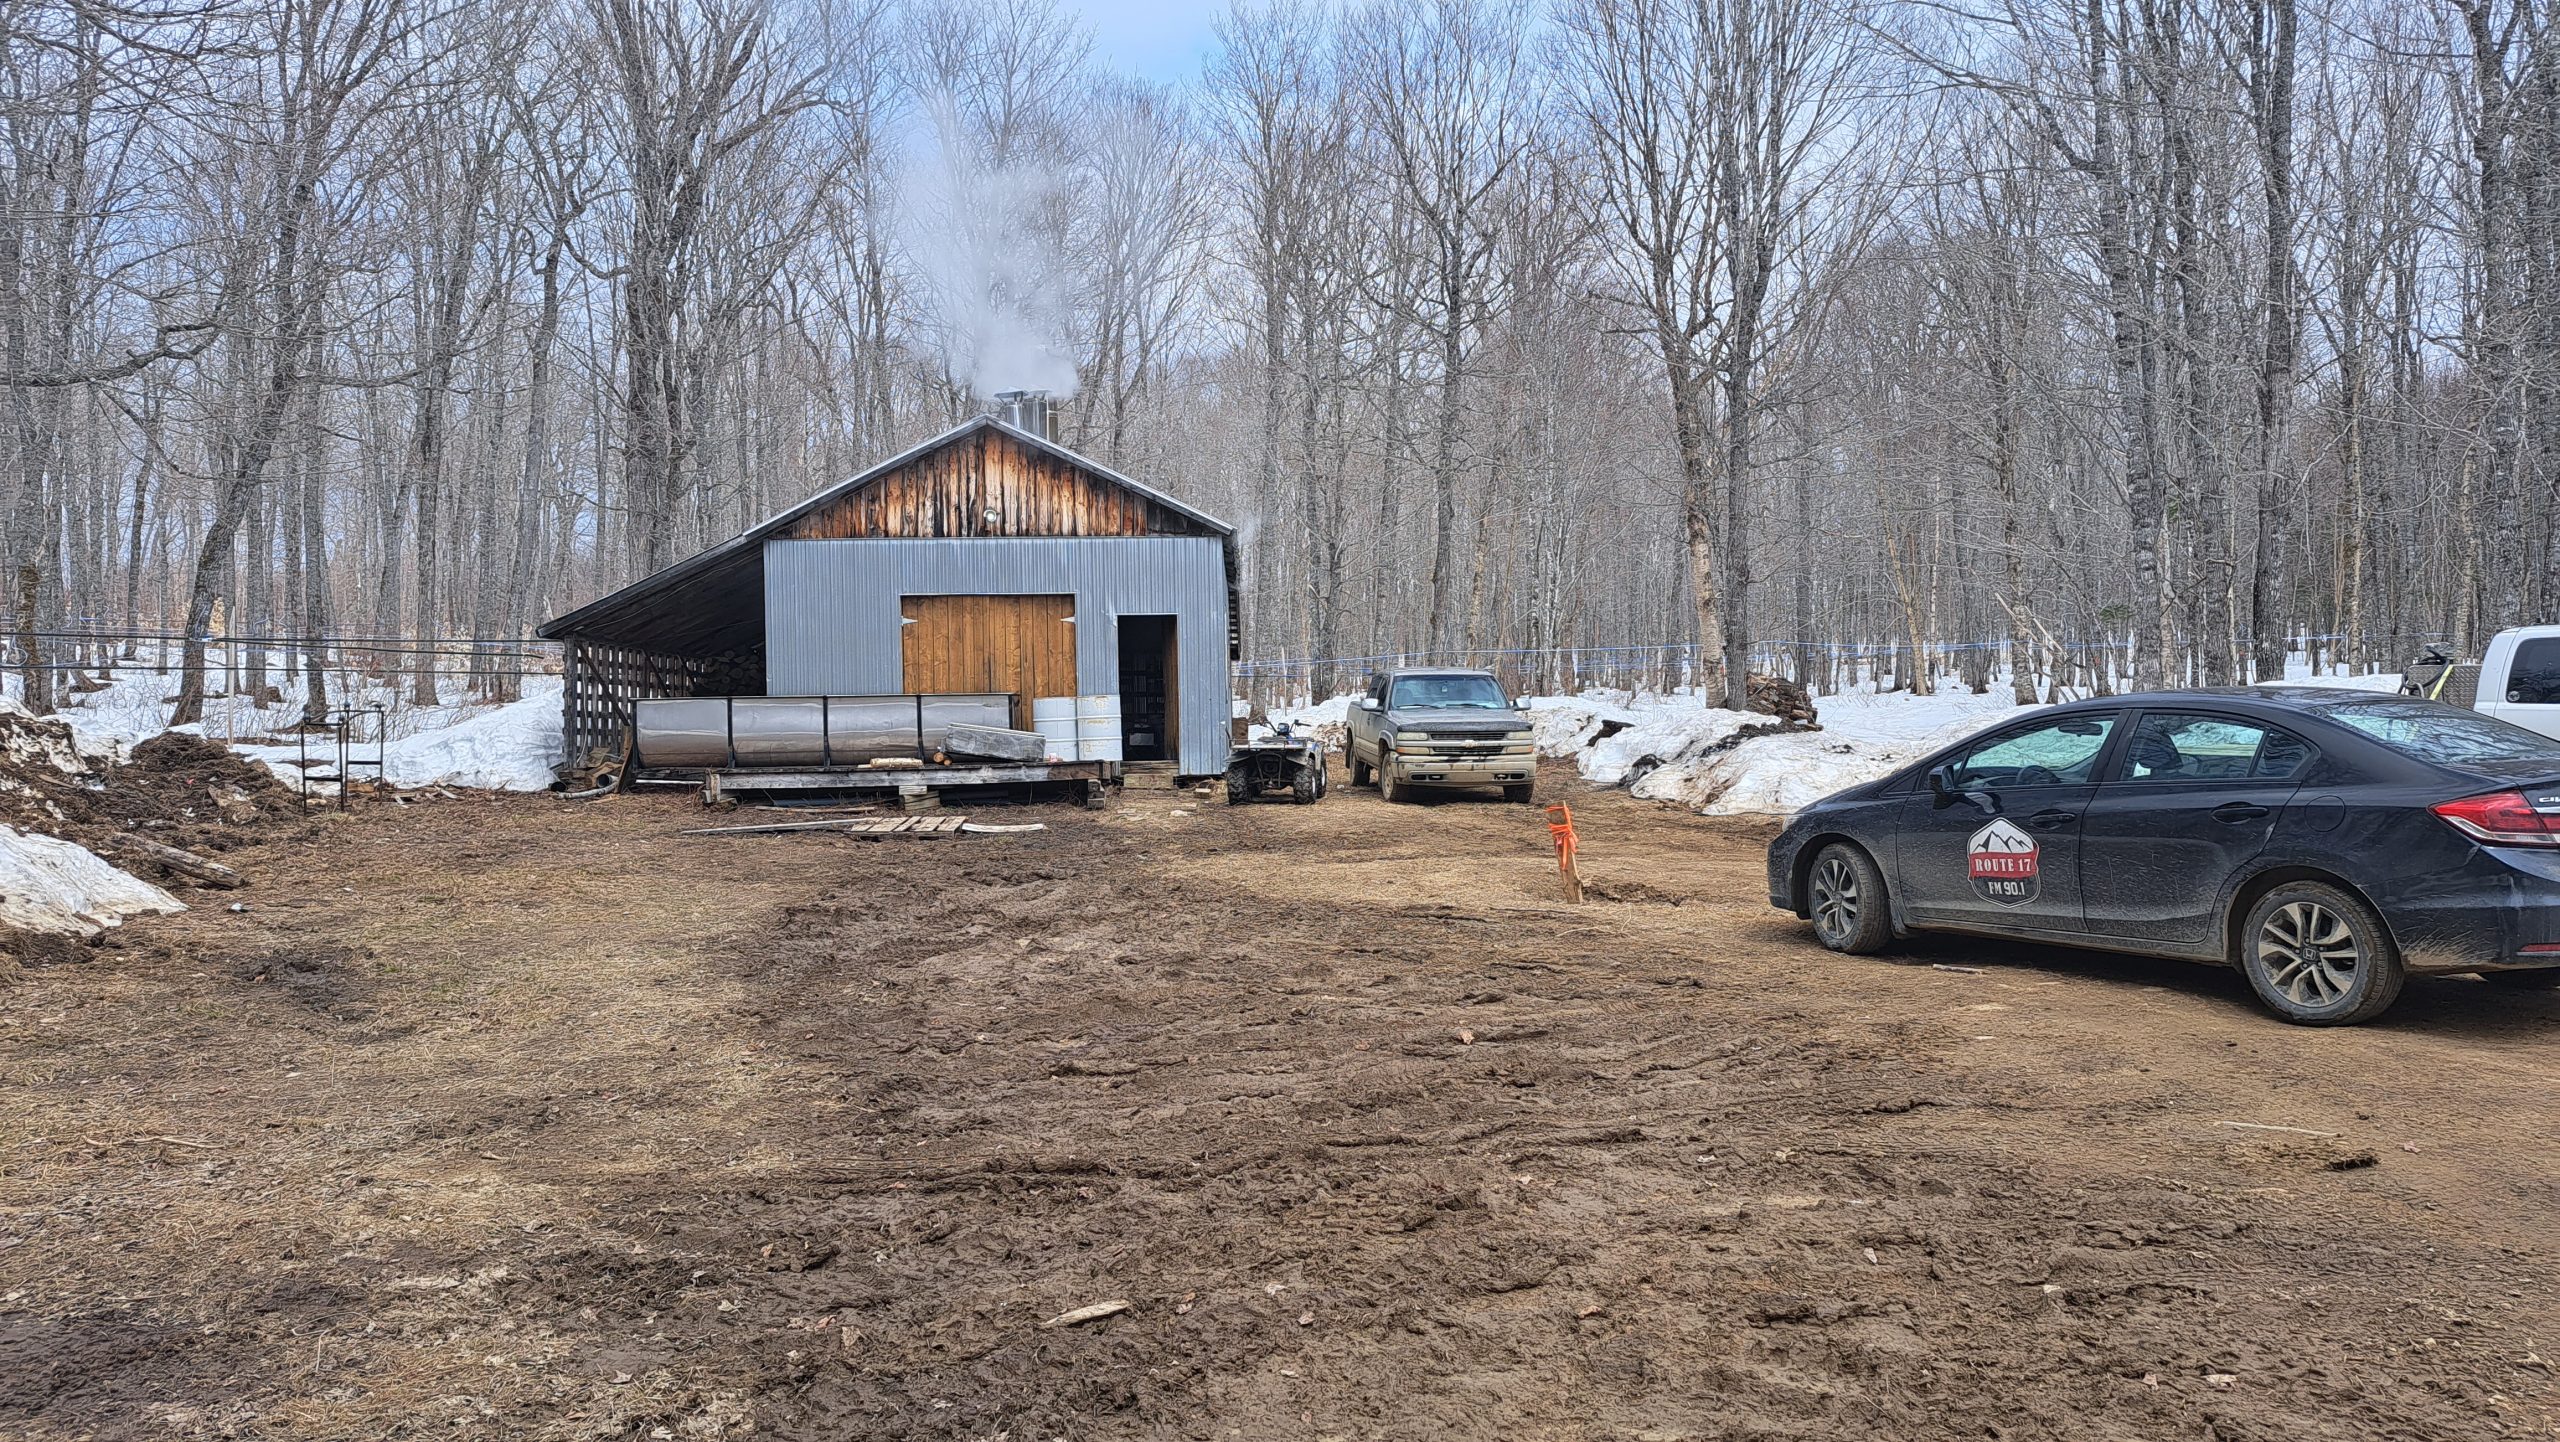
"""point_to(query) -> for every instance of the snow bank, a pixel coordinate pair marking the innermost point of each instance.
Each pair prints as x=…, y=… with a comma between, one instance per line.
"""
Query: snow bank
x=1327, y=721
x=1727, y=763
x=1666, y=738
x=515, y=747
x=49, y=885
x=1775, y=775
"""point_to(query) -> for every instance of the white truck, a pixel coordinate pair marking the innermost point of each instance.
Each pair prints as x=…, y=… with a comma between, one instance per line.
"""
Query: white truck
x=2517, y=679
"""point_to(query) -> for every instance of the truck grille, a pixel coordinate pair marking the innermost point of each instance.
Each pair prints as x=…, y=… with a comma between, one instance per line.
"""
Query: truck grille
x=1464, y=746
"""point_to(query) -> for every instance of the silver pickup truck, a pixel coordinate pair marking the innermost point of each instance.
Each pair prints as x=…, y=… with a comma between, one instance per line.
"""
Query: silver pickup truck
x=1434, y=727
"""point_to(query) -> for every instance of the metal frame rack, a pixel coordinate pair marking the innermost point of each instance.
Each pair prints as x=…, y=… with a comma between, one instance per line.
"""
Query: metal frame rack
x=341, y=726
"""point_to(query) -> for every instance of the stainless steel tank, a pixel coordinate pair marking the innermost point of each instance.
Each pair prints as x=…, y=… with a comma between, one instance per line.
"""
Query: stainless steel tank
x=803, y=731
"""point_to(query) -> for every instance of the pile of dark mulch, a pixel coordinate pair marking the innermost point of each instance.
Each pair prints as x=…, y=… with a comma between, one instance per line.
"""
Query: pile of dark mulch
x=177, y=790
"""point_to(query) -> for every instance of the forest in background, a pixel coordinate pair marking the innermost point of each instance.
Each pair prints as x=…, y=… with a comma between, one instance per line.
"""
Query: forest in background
x=2133, y=340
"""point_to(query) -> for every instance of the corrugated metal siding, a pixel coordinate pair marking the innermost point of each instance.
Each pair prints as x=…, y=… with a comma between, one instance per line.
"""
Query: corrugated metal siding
x=832, y=623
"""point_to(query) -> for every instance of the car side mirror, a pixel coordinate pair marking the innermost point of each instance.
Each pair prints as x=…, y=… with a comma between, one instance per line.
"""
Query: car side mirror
x=1947, y=788
x=1368, y=703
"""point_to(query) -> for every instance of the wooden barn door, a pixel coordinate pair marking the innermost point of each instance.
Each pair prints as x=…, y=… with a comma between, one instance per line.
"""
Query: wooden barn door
x=1022, y=644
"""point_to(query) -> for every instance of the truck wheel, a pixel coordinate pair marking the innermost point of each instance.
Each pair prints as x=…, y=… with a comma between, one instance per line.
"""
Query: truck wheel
x=1239, y=790
x=1521, y=793
x=2547, y=980
x=1391, y=790
x=2318, y=956
x=1306, y=786
x=1360, y=772
x=1846, y=898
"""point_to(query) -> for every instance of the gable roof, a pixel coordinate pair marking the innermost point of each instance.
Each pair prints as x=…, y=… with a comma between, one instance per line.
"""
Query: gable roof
x=739, y=561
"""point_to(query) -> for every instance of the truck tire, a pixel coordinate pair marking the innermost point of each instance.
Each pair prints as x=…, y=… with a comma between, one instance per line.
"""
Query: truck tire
x=1390, y=790
x=1361, y=775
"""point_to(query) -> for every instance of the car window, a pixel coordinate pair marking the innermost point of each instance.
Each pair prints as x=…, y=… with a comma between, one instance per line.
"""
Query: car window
x=2433, y=731
x=2189, y=746
x=1444, y=692
x=2057, y=753
x=2281, y=757
x=2534, y=678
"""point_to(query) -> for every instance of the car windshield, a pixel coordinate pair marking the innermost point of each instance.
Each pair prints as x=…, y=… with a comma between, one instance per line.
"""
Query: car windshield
x=2433, y=731
x=1444, y=693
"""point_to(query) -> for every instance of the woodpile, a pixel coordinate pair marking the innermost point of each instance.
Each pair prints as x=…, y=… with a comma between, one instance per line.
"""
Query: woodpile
x=1787, y=700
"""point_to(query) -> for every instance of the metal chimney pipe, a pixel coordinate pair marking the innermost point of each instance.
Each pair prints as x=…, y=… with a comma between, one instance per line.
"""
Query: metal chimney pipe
x=1028, y=411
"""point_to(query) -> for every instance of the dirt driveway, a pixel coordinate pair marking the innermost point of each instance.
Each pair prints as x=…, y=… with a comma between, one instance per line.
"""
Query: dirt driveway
x=522, y=1118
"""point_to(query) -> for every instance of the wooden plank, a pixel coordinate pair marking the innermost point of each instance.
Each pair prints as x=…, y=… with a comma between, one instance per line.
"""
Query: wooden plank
x=848, y=825
x=931, y=776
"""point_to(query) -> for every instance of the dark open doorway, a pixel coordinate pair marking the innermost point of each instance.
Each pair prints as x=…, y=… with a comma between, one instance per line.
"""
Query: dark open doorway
x=1149, y=719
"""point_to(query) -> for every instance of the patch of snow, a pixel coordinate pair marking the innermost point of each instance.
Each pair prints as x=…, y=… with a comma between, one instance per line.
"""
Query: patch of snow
x=1900, y=718
x=1670, y=736
x=1327, y=721
x=2387, y=682
x=50, y=885
x=1566, y=724
x=27, y=739
x=515, y=747
x=1774, y=775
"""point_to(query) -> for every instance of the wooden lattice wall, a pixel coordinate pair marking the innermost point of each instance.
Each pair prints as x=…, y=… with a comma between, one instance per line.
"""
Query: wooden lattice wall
x=601, y=680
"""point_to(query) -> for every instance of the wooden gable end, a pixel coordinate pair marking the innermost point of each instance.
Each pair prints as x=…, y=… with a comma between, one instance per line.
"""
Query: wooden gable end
x=989, y=484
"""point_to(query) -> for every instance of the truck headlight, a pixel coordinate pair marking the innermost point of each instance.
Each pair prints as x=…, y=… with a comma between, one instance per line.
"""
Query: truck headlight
x=1413, y=736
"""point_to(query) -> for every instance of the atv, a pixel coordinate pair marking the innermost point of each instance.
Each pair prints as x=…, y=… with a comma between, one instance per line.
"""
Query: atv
x=1286, y=762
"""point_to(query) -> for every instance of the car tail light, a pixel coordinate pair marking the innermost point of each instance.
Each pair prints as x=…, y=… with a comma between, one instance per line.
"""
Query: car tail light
x=2503, y=818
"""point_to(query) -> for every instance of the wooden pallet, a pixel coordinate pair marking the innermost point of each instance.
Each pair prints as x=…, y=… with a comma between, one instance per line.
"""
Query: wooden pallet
x=719, y=784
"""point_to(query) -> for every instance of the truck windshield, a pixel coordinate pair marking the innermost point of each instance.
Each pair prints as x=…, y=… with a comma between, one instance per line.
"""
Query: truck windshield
x=2433, y=731
x=1446, y=693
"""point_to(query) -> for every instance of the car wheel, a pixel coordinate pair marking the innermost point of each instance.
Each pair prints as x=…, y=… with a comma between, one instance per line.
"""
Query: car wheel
x=2545, y=980
x=1391, y=790
x=1845, y=896
x=2318, y=956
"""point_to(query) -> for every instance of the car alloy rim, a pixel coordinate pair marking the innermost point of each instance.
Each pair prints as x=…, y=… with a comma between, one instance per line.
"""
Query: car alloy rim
x=1835, y=898
x=2309, y=953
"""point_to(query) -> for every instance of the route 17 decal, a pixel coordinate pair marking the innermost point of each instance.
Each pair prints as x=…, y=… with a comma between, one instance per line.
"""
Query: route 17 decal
x=2001, y=859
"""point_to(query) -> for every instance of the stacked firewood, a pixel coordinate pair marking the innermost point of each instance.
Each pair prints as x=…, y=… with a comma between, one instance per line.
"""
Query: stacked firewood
x=1787, y=700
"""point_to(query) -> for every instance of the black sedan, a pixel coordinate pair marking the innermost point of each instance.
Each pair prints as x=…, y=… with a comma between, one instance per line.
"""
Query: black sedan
x=2329, y=843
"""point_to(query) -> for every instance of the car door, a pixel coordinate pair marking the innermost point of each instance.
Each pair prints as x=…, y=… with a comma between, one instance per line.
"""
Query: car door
x=2001, y=847
x=2188, y=800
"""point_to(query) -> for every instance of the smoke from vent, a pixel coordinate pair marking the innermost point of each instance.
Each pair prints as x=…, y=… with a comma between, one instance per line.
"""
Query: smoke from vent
x=984, y=242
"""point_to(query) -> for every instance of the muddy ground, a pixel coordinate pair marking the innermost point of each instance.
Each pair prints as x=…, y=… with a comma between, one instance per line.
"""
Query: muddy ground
x=527, y=1118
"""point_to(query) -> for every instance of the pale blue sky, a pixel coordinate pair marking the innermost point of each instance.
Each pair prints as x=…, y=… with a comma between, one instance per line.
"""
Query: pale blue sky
x=1159, y=39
